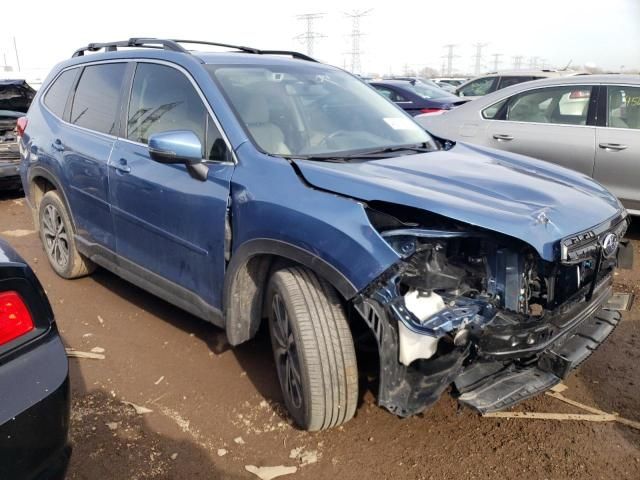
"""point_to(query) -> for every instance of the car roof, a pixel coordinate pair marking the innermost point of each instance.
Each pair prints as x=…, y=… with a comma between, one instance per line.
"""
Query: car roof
x=526, y=73
x=575, y=80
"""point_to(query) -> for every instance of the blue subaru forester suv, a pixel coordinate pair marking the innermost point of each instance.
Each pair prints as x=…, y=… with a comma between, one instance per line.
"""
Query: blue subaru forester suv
x=252, y=185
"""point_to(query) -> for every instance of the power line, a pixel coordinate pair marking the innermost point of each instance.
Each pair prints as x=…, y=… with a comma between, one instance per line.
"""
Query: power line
x=478, y=57
x=449, y=56
x=496, y=61
x=309, y=36
x=355, y=38
x=517, y=62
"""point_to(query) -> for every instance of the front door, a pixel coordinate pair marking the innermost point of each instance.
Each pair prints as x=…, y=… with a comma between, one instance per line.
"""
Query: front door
x=618, y=145
x=170, y=226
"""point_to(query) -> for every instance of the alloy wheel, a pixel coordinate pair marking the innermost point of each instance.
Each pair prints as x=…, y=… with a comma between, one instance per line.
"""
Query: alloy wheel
x=55, y=236
x=286, y=353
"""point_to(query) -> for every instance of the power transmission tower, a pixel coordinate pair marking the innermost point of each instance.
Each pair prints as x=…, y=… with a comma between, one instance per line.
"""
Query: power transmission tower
x=496, y=61
x=449, y=56
x=478, y=57
x=309, y=36
x=355, y=38
x=533, y=62
x=15, y=47
x=517, y=62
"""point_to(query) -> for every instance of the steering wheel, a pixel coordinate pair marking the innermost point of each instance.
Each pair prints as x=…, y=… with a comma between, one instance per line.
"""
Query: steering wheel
x=332, y=136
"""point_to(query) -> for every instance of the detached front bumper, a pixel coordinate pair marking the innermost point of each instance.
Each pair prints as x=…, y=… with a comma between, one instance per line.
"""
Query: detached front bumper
x=491, y=386
x=503, y=364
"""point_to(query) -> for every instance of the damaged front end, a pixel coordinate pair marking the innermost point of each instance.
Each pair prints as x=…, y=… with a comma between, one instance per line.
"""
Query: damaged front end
x=483, y=311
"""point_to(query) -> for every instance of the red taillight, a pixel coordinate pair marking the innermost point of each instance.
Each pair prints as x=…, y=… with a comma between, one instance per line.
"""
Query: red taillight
x=15, y=319
x=432, y=111
x=21, y=125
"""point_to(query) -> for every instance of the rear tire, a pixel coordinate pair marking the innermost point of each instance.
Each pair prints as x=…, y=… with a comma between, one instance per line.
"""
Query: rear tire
x=56, y=234
x=313, y=349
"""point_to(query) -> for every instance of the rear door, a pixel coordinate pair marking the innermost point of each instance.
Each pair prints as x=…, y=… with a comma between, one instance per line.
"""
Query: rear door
x=86, y=143
x=618, y=144
x=549, y=123
x=170, y=227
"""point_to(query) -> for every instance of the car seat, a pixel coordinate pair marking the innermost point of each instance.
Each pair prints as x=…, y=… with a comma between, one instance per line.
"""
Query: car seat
x=254, y=111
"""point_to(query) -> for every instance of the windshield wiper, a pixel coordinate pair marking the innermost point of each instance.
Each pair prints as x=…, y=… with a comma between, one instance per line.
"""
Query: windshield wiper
x=385, y=152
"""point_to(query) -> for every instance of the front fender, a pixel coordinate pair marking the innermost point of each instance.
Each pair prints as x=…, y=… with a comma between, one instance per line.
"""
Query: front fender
x=275, y=213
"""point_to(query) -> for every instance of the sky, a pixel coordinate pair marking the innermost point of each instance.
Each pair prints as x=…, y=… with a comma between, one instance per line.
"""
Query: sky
x=396, y=36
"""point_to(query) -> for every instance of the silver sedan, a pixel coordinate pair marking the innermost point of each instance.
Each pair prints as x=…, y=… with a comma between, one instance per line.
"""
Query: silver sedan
x=589, y=123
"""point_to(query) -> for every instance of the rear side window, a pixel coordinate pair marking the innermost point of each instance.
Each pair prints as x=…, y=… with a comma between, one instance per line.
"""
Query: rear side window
x=56, y=97
x=95, y=104
x=623, y=106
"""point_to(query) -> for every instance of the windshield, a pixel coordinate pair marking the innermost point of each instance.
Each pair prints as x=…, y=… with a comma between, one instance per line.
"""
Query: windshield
x=307, y=110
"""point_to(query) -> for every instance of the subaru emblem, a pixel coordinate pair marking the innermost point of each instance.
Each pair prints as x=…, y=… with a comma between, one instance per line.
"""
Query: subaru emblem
x=610, y=245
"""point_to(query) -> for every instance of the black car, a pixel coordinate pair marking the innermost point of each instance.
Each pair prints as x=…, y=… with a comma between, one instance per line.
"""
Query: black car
x=34, y=380
x=15, y=98
x=416, y=97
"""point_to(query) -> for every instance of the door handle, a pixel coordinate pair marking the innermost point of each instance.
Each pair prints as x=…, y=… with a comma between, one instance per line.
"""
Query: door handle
x=122, y=166
x=612, y=147
x=501, y=137
x=58, y=145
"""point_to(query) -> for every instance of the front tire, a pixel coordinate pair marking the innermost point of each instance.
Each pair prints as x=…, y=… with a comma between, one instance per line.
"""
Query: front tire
x=56, y=234
x=313, y=349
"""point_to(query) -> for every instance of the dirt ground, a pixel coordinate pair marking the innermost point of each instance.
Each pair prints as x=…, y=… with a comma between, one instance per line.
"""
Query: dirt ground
x=216, y=410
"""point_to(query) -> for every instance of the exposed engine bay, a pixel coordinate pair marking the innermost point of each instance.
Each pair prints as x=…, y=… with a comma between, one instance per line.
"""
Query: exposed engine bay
x=480, y=309
x=8, y=138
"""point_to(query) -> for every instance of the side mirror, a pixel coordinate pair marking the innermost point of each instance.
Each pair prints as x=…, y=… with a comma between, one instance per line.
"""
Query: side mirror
x=179, y=146
x=175, y=146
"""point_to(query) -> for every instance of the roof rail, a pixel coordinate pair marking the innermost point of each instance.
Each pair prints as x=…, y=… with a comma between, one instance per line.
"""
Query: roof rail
x=132, y=42
x=174, y=46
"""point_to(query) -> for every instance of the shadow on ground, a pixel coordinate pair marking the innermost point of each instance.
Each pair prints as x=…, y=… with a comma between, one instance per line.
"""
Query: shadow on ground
x=111, y=441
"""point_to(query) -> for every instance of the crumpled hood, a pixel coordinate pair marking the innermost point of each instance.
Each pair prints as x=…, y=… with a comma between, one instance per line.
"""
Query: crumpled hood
x=504, y=192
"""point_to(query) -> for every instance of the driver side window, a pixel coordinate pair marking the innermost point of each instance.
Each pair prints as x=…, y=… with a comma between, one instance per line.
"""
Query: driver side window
x=163, y=99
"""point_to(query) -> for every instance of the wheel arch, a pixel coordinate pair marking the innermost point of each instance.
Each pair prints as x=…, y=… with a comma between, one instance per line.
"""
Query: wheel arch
x=42, y=181
x=246, y=279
